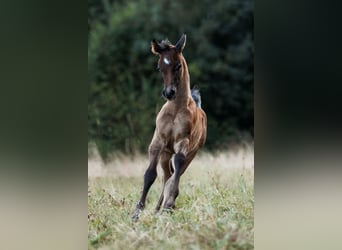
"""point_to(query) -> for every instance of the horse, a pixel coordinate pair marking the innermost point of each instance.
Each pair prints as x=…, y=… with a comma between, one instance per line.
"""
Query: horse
x=181, y=126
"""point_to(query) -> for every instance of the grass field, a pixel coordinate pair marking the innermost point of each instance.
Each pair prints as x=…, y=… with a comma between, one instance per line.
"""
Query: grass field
x=214, y=210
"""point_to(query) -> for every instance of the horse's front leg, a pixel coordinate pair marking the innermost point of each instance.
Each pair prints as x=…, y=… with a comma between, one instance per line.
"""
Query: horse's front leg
x=149, y=177
x=166, y=165
x=181, y=161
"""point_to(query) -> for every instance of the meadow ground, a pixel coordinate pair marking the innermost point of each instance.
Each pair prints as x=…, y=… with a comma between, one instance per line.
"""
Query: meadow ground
x=214, y=210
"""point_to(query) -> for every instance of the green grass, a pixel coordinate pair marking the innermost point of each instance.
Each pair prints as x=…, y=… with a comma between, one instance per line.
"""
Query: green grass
x=214, y=210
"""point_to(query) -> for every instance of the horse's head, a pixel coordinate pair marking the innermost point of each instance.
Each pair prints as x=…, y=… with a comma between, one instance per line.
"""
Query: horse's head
x=170, y=64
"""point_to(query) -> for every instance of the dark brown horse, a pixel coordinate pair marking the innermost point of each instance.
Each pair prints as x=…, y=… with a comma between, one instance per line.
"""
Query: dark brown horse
x=181, y=125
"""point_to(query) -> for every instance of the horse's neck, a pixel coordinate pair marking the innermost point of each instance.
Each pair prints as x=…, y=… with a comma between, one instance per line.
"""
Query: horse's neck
x=183, y=91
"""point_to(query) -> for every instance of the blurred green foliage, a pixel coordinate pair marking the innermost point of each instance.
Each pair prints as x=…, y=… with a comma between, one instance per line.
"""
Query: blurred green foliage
x=125, y=87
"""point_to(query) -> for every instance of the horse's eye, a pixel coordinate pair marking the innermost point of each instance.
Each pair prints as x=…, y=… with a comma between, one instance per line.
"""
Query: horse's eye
x=178, y=66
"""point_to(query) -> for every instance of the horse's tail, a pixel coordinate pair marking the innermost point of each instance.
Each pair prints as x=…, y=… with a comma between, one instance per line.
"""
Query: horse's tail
x=196, y=96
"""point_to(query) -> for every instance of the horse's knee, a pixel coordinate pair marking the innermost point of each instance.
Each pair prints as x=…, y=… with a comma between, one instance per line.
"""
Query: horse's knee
x=154, y=148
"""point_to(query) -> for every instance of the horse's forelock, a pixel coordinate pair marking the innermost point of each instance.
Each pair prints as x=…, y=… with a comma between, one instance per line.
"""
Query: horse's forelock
x=165, y=44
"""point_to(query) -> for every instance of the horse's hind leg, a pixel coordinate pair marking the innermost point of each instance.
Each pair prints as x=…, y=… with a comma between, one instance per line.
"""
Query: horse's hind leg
x=166, y=165
x=149, y=177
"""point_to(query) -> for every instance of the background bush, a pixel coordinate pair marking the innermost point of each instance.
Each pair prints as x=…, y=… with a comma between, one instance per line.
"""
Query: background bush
x=125, y=87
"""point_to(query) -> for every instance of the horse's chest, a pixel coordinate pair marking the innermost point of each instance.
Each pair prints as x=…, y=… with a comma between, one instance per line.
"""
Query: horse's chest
x=171, y=127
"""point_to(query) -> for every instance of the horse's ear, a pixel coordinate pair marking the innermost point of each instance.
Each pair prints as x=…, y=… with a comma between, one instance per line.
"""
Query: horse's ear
x=181, y=43
x=155, y=48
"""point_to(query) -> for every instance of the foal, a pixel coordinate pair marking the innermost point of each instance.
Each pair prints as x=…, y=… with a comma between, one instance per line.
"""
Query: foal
x=181, y=125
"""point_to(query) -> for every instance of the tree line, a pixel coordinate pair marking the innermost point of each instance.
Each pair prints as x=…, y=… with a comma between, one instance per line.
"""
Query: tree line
x=125, y=87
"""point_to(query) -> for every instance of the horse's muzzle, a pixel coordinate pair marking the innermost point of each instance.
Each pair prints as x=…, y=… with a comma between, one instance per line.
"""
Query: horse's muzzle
x=169, y=92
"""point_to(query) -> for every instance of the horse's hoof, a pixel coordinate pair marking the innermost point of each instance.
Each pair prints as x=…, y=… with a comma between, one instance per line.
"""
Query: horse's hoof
x=170, y=205
x=169, y=209
x=136, y=215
